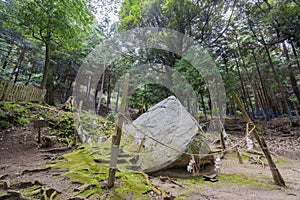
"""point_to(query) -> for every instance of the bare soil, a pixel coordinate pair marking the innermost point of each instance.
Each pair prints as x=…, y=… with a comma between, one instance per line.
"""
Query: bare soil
x=23, y=160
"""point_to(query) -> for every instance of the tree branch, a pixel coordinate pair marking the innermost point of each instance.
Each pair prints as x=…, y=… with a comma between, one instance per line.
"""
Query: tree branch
x=229, y=20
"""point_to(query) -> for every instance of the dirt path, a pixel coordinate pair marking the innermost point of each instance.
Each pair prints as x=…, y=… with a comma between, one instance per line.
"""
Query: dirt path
x=21, y=160
x=249, y=192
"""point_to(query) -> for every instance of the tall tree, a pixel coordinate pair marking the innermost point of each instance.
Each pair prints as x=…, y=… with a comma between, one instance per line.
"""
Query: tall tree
x=57, y=24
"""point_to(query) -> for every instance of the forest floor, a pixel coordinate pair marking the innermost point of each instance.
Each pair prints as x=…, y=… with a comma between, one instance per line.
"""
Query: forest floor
x=25, y=169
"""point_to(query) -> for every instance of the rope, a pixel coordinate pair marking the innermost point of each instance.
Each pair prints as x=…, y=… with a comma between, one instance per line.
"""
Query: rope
x=198, y=125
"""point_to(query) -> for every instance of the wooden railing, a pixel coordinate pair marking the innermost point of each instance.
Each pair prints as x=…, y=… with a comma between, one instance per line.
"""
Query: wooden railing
x=10, y=91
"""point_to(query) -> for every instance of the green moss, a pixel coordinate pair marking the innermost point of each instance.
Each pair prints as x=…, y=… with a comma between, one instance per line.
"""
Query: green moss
x=253, y=182
x=32, y=192
x=281, y=161
x=133, y=183
x=82, y=168
x=232, y=180
x=82, y=178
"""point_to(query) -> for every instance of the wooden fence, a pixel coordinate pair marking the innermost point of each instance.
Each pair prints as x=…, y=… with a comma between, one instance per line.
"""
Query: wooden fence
x=10, y=91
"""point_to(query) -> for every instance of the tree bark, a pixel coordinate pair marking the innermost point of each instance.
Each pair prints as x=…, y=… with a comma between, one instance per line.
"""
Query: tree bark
x=245, y=67
x=296, y=55
x=291, y=74
x=266, y=98
x=18, y=65
x=47, y=80
x=285, y=106
x=47, y=64
x=50, y=85
x=7, y=57
x=244, y=96
x=108, y=102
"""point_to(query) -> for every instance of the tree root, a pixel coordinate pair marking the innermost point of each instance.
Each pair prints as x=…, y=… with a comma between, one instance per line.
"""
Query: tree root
x=53, y=195
x=3, y=176
x=27, y=171
x=85, y=188
x=48, y=193
x=149, y=183
x=164, y=179
x=257, y=161
x=295, y=170
x=56, y=150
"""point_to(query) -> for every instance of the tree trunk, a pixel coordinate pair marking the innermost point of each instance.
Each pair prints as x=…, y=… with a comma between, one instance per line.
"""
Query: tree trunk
x=7, y=57
x=46, y=65
x=271, y=64
x=47, y=80
x=295, y=54
x=50, y=85
x=262, y=83
x=101, y=91
x=244, y=96
x=108, y=93
x=117, y=101
x=16, y=69
x=203, y=104
x=291, y=74
x=245, y=67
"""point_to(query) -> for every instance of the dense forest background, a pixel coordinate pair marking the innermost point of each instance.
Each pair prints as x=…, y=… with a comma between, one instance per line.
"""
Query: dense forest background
x=255, y=45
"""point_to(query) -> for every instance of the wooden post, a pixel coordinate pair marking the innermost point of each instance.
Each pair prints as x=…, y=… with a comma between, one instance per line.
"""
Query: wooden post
x=239, y=155
x=275, y=172
x=39, y=124
x=222, y=139
x=77, y=123
x=117, y=138
x=117, y=102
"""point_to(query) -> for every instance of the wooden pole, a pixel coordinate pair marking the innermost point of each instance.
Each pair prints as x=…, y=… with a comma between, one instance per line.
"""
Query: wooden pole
x=116, y=139
x=39, y=135
x=275, y=172
x=77, y=123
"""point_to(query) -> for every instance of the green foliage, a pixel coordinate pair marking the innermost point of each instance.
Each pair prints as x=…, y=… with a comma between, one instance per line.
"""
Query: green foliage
x=148, y=95
x=63, y=27
x=22, y=121
x=110, y=117
x=4, y=124
x=15, y=113
x=64, y=22
x=130, y=14
x=63, y=124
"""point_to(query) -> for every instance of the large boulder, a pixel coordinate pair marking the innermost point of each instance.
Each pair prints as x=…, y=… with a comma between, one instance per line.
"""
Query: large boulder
x=162, y=135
